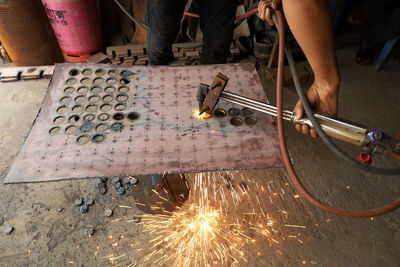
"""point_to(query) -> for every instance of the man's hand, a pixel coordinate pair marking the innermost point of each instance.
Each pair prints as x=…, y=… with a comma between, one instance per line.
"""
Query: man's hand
x=322, y=101
x=264, y=9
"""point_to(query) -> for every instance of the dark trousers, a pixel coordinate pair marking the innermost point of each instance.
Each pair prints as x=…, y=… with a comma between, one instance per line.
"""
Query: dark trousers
x=383, y=18
x=163, y=19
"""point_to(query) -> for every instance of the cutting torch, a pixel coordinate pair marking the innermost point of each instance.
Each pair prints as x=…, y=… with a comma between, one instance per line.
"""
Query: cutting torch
x=350, y=132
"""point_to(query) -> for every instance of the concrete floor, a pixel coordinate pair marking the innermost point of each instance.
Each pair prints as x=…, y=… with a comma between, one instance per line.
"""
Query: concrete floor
x=45, y=237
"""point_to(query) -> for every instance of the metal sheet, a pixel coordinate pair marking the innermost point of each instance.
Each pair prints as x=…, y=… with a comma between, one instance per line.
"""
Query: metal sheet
x=162, y=136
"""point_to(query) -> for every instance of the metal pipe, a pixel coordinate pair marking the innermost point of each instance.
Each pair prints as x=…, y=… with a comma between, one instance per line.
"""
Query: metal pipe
x=248, y=102
x=252, y=101
x=253, y=106
x=336, y=128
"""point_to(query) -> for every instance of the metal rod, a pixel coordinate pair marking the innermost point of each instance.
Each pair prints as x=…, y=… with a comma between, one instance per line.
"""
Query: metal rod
x=254, y=104
x=287, y=115
x=249, y=100
x=255, y=107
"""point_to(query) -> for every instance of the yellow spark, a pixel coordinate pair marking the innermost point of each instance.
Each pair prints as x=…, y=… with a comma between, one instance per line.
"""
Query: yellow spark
x=205, y=232
x=107, y=256
x=295, y=226
x=118, y=257
x=126, y=207
x=163, y=198
x=204, y=116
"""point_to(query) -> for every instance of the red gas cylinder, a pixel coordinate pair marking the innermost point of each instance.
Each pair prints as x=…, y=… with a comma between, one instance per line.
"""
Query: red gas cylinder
x=76, y=25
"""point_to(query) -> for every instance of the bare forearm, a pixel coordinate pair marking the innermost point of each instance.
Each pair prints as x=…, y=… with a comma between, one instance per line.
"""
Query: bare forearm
x=310, y=23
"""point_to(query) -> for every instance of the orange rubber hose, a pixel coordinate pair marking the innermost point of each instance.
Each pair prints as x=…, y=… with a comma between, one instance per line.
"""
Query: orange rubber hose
x=289, y=167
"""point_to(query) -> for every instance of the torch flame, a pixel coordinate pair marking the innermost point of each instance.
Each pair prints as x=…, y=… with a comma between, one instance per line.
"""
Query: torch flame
x=204, y=116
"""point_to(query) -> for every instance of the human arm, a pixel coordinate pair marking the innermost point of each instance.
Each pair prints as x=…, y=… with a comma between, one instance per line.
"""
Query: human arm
x=310, y=23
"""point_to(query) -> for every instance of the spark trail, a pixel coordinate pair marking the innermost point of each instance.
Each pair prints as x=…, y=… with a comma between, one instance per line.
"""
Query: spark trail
x=225, y=216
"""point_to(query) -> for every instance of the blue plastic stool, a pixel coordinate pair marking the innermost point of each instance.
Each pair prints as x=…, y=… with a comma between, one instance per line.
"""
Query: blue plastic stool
x=387, y=48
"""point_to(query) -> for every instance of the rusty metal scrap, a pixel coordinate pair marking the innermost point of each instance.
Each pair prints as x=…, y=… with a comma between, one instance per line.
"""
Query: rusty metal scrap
x=215, y=90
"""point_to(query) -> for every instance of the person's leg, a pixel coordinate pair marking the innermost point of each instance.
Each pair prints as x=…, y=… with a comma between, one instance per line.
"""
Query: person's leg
x=374, y=10
x=383, y=24
x=217, y=24
x=385, y=28
x=163, y=20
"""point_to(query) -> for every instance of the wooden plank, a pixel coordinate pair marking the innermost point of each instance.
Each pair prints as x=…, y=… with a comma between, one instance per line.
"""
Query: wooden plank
x=141, y=62
x=10, y=74
x=179, y=54
x=48, y=72
x=99, y=57
x=31, y=74
x=122, y=50
x=192, y=54
x=187, y=49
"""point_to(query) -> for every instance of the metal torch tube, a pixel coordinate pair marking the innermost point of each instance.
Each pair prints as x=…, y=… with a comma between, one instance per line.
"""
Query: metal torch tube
x=335, y=128
x=253, y=104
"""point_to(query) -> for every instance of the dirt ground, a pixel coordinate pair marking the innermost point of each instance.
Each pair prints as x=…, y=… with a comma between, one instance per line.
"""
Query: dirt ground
x=45, y=236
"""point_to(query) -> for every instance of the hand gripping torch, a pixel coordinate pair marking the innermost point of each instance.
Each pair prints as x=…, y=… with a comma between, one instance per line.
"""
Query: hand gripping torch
x=372, y=142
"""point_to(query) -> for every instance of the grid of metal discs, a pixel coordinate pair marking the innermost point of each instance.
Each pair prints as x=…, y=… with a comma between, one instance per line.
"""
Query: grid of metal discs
x=93, y=104
x=237, y=117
